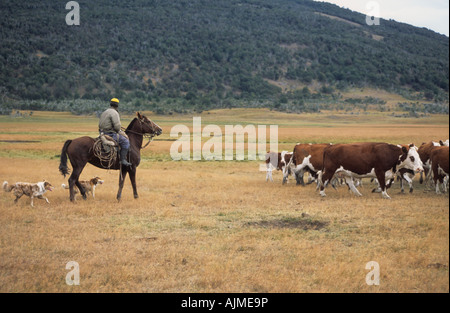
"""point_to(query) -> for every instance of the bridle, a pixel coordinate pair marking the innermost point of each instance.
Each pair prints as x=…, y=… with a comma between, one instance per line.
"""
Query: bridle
x=142, y=133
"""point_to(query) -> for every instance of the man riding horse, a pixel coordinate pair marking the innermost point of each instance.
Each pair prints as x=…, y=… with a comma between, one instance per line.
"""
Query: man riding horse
x=80, y=151
x=109, y=124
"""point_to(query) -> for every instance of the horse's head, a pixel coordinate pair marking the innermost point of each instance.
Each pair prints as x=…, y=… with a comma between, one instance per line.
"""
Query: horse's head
x=148, y=127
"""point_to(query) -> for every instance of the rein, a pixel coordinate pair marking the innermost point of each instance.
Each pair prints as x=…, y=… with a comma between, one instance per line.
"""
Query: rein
x=149, y=136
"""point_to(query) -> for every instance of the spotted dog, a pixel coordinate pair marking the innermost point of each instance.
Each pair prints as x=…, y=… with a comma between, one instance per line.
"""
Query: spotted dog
x=88, y=185
x=32, y=190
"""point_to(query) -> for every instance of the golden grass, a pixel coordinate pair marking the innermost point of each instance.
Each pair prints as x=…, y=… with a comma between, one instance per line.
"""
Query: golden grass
x=218, y=226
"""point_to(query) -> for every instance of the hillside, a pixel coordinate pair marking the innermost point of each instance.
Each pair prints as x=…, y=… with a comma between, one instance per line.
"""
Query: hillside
x=200, y=54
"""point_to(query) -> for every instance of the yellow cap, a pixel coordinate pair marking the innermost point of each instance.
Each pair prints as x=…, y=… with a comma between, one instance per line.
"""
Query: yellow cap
x=115, y=100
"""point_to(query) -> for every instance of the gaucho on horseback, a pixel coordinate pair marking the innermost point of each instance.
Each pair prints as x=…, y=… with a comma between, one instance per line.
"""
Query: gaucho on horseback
x=109, y=124
x=83, y=150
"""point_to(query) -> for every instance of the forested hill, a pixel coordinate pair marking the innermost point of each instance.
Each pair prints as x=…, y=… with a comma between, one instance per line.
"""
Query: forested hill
x=211, y=53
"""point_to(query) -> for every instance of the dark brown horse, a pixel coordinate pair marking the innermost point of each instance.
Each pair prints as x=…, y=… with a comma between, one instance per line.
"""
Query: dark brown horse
x=80, y=152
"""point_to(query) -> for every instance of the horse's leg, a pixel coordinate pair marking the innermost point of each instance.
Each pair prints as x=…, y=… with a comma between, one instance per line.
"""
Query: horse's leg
x=123, y=174
x=132, y=172
x=81, y=189
x=73, y=180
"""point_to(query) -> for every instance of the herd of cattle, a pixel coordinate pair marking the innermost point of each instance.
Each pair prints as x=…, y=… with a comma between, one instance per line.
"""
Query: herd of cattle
x=337, y=163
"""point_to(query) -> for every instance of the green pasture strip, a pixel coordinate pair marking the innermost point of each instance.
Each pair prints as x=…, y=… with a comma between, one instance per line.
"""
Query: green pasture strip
x=328, y=119
x=28, y=154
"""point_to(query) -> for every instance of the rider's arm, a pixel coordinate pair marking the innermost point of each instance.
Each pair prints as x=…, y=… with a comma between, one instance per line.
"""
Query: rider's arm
x=115, y=120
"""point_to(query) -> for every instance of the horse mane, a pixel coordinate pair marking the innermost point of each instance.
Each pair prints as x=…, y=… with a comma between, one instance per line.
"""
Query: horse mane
x=131, y=124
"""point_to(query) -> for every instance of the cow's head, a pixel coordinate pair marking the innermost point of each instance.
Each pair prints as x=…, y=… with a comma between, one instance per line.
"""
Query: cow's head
x=284, y=159
x=410, y=159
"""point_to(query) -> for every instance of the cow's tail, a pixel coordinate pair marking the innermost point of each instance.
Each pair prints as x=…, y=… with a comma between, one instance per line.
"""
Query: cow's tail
x=63, y=161
x=7, y=187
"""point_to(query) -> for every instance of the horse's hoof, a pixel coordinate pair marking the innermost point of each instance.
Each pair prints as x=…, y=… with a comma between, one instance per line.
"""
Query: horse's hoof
x=136, y=196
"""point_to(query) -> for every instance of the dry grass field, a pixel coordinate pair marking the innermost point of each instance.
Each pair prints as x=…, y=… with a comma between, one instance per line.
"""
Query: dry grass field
x=218, y=226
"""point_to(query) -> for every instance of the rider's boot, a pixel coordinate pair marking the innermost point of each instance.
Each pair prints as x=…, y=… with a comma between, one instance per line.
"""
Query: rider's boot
x=123, y=157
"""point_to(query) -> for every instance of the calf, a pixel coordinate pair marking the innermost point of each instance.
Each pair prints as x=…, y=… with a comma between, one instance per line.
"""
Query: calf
x=440, y=166
x=360, y=160
x=276, y=160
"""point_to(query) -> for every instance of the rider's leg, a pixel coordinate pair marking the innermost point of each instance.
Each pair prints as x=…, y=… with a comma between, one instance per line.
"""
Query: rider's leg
x=124, y=148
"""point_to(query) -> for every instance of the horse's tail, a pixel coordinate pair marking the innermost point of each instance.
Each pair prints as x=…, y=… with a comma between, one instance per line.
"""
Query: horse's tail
x=63, y=164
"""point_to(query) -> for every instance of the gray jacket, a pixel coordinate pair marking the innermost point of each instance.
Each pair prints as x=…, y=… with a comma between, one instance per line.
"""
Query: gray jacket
x=109, y=121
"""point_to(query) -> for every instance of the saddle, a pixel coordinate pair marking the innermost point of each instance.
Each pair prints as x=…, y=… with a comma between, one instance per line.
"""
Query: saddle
x=108, y=143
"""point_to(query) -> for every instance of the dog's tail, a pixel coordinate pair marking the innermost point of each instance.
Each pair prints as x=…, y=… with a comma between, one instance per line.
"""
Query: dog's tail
x=64, y=186
x=63, y=161
x=7, y=187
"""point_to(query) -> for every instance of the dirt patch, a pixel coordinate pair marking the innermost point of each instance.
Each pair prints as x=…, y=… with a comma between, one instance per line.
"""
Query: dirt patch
x=438, y=266
x=300, y=223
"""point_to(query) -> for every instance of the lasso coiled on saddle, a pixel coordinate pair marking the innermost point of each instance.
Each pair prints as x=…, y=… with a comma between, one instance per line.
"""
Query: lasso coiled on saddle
x=108, y=158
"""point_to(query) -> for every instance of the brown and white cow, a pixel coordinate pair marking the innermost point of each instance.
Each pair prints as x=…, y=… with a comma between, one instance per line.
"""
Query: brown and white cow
x=440, y=166
x=306, y=158
x=276, y=161
x=424, y=153
x=362, y=160
x=405, y=174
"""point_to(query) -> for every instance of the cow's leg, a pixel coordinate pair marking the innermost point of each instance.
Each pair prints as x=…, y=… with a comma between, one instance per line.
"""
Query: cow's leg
x=318, y=181
x=300, y=177
x=438, y=180
x=269, y=171
x=324, y=179
x=409, y=181
x=438, y=189
x=402, y=185
x=286, y=172
x=312, y=176
x=381, y=176
x=285, y=175
x=334, y=182
x=429, y=179
x=426, y=170
x=352, y=187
